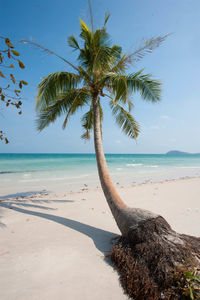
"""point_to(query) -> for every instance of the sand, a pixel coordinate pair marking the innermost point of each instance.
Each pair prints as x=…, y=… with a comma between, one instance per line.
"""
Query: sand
x=54, y=246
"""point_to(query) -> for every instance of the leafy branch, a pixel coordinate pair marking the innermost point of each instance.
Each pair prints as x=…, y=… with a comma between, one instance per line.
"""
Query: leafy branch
x=10, y=92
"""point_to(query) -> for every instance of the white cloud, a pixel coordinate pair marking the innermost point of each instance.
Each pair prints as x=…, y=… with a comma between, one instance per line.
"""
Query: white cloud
x=155, y=127
x=118, y=142
x=165, y=117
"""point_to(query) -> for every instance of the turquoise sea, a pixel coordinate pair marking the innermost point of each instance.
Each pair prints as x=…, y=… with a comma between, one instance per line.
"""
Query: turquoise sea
x=66, y=172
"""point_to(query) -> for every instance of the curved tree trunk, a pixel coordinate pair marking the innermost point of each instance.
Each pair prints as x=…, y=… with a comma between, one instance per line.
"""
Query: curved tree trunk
x=151, y=257
x=124, y=216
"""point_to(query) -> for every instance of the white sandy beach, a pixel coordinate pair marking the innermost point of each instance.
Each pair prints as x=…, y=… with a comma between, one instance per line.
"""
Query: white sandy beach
x=53, y=246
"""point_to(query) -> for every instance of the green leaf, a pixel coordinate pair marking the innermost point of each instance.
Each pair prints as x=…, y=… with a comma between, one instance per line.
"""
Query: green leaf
x=52, y=86
x=72, y=42
x=149, y=89
x=80, y=99
x=125, y=120
x=87, y=120
x=107, y=16
x=67, y=102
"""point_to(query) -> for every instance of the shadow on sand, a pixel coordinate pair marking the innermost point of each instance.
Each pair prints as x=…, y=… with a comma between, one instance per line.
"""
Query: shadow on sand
x=23, y=195
x=100, y=237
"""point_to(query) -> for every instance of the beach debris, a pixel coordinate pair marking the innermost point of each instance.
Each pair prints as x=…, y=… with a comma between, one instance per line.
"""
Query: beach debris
x=84, y=189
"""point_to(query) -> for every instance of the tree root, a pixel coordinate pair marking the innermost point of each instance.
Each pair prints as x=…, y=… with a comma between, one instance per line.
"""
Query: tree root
x=152, y=261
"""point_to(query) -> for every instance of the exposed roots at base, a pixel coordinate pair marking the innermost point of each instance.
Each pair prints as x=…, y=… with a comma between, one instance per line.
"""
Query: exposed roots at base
x=153, y=259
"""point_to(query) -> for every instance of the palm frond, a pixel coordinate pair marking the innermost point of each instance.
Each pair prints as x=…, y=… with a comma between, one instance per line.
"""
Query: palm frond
x=149, y=89
x=53, y=85
x=49, y=52
x=86, y=135
x=72, y=42
x=147, y=47
x=130, y=105
x=81, y=98
x=116, y=83
x=85, y=34
x=125, y=120
x=87, y=121
x=84, y=75
x=122, y=64
x=91, y=15
x=107, y=16
x=60, y=106
x=97, y=52
x=105, y=57
x=101, y=38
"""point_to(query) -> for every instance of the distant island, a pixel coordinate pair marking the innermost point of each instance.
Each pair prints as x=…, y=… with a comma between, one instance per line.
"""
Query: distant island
x=176, y=152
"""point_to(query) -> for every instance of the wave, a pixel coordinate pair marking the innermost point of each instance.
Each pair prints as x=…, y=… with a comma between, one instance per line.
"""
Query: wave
x=152, y=166
x=14, y=172
x=134, y=165
x=188, y=167
x=9, y=172
x=67, y=178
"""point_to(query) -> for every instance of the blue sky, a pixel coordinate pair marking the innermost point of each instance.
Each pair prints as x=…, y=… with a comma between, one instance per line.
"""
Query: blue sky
x=174, y=123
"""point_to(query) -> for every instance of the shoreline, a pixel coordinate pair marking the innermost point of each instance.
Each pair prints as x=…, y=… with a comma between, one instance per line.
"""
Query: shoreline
x=88, y=188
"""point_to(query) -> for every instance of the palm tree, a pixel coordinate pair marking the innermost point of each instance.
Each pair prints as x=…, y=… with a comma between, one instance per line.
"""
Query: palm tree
x=101, y=76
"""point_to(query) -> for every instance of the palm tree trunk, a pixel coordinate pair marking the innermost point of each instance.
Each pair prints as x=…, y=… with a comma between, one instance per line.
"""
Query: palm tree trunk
x=123, y=215
x=114, y=201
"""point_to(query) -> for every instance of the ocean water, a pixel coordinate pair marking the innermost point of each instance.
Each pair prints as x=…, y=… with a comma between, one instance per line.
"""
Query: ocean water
x=68, y=172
